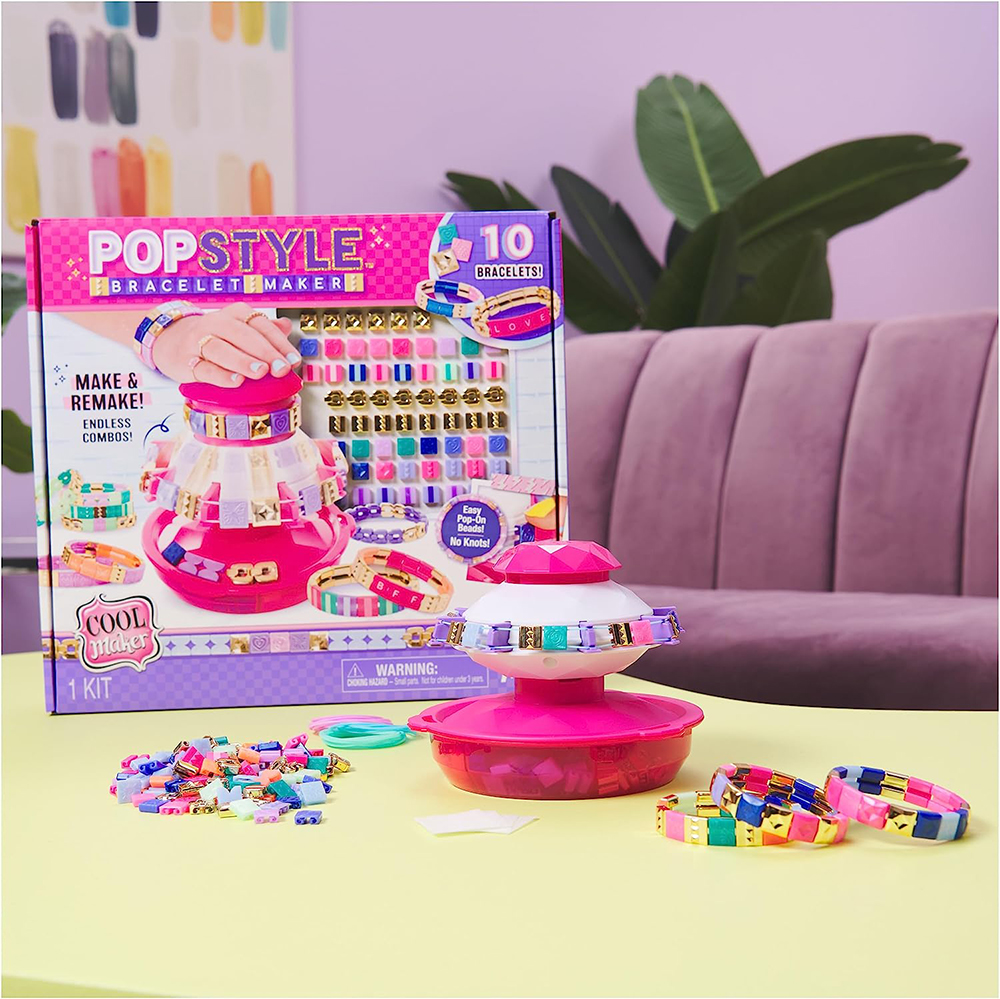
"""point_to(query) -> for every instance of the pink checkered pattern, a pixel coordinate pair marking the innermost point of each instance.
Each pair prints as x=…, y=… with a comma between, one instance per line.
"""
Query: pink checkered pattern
x=394, y=249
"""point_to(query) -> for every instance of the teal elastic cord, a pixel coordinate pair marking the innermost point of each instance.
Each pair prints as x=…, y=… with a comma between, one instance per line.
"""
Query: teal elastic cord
x=364, y=735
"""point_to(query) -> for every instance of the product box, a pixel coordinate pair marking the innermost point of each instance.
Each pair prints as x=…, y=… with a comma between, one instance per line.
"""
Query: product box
x=271, y=452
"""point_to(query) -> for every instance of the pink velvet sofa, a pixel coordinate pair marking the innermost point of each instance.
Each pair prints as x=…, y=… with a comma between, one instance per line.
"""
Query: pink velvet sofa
x=819, y=501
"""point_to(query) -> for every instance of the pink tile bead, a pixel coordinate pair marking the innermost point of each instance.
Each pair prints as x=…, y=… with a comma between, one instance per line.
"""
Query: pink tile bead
x=834, y=789
x=476, y=468
x=311, y=372
x=333, y=348
x=378, y=347
x=425, y=346
x=841, y=830
x=447, y=346
x=462, y=248
x=674, y=824
x=804, y=827
x=917, y=797
x=850, y=799
x=426, y=372
x=383, y=447
x=357, y=348
x=385, y=471
x=334, y=373
x=759, y=775
x=475, y=445
x=380, y=372
x=872, y=811
x=924, y=787
x=494, y=370
x=642, y=632
x=430, y=469
x=401, y=347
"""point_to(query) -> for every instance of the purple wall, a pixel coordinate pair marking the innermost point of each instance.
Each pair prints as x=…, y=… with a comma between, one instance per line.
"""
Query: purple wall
x=507, y=90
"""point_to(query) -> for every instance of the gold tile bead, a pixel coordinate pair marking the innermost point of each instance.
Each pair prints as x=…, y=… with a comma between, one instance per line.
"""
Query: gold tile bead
x=404, y=422
x=239, y=643
x=448, y=397
x=826, y=832
x=354, y=322
x=188, y=504
x=428, y=421
x=331, y=322
x=894, y=793
x=496, y=419
x=307, y=322
x=703, y=799
x=215, y=425
x=360, y=424
x=495, y=394
x=380, y=398
x=265, y=512
x=383, y=423
x=621, y=634
x=472, y=396
x=427, y=397
x=399, y=321
x=455, y=630
x=776, y=821
x=897, y=781
x=451, y=421
x=695, y=832
x=318, y=641
x=529, y=638
x=295, y=417
x=338, y=425
x=335, y=399
x=403, y=397
x=260, y=426
x=730, y=799
x=100, y=513
x=328, y=492
x=474, y=421
x=901, y=820
x=748, y=835
x=354, y=281
x=421, y=320
x=376, y=322
x=445, y=261
x=358, y=399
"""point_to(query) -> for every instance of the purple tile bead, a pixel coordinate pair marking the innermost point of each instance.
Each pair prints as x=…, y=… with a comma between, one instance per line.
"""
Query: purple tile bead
x=285, y=454
x=237, y=427
x=453, y=467
x=409, y=495
x=166, y=494
x=407, y=471
x=309, y=497
x=234, y=513
x=197, y=422
x=386, y=494
x=281, y=422
x=298, y=641
x=260, y=642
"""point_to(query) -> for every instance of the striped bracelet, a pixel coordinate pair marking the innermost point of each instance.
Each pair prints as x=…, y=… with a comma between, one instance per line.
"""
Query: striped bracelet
x=858, y=793
x=321, y=595
x=694, y=818
x=98, y=523
x=154, y=323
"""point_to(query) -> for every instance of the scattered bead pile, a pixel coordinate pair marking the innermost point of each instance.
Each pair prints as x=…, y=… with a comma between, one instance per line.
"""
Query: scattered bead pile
x=261, y=781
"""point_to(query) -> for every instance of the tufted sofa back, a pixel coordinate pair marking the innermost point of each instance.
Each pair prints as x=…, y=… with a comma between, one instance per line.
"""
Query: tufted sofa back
x=816, y=456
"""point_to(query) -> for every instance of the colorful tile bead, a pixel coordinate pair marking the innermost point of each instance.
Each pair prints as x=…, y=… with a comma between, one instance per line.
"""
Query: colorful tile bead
x=425, y=346
x=471, y=370
x=454, y=468
x=385, y=447
x=494, y=370
x=447, y=346
x=355, y=348
x=406, y=446
x=453, y=445
x=360, y=448
x=385, y=470
x=476, y=468
x=380, y=372
x=333, y=348
x=499, y=466
x=430, y=470
x=470, y=347
x=401, y=347
x=334, y=373
x=449, y=372
x=308, y=347
x=432, y=495
x=378, y=347
x=475, y=445
x=360, y=470
x=426, y=372
x=462, y=248
x=409, y=495
x=361, y=496
x=407, y=471
x=385, y=494
x=311, y=372
x=498, y=444
x=357, y=373
x=447, y=234
x=402, y=372
x=428, y=445
x=237, y=427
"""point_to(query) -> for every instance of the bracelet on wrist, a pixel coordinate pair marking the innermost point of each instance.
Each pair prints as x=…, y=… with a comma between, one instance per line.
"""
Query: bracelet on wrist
x=154, y=323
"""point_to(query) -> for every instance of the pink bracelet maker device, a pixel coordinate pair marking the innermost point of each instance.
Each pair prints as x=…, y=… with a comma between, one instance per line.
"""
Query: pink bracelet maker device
x=558, y=625
x=246, y=499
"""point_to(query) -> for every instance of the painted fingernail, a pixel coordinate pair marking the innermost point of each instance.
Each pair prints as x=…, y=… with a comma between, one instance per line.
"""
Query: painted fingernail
x=278, y=365
x=234, y=378
x=292, y=357
x=256, y=366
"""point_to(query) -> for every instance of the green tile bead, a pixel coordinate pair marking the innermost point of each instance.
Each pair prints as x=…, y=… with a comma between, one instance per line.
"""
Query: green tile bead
x=321, y=763
x=406, y=446
x=361, y=448
x=470, y=348
x=721, y=832
x=554, y=636
x=449, y=372
x=280, y=788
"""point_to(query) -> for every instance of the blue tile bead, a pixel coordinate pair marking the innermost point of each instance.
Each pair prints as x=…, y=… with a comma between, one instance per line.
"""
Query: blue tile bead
x=871, y=775
x=428, y=445
x=360, y=470
x=173, y=553
x=446, y=234
x=750, y=809
x=963, y=822
x=269, y=747
x=343, y=447
x=927, y=825
x=804, y=800
x=526, y=532
x=439, y=308
x=402, y=372
x=804, y=789
x=498, y=444
x=442, y=286
x=357, y=372
x=869, y=787
x=308, y=347
x=841, y=772
x=151, y=805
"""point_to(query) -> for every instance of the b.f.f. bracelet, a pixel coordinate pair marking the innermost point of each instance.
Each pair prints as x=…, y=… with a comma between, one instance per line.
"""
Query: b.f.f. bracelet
x=321, y=596
x=369, y=559
x=777, y=803
x=455, y=310
x=154, y=323
x=860, y=793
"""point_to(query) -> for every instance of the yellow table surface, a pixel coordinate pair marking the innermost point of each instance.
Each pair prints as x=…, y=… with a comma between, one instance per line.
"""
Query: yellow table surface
x=587, y=901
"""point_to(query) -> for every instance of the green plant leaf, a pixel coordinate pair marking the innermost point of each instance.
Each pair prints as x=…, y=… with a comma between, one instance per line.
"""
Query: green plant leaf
x=608, y=235
x=16, y=444
x=15, y=294
x=793, y=287
x=675, y=240
x=692, y=150
x=698, y=287
x=592, y=303
x=839, y=187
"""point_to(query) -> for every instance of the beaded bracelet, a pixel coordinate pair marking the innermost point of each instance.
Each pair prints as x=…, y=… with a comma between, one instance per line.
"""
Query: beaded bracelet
x=154, y=323
x=694, y=818
x=388, y=511
x=429, y=603
x=244, y=426
x=79, y=500
x=98, y=523
x=321, y=584
x=855, y=790
x=454, y=310
x=659, y=628
x=87, y=558
x=484, y=314
x=53, y=572
x=767, y=799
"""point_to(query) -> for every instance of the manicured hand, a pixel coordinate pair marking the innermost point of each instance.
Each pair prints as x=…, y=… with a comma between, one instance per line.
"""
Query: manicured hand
x=222, y=348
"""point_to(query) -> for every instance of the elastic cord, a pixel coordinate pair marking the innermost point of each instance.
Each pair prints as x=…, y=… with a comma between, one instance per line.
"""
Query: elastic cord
x=364, y=735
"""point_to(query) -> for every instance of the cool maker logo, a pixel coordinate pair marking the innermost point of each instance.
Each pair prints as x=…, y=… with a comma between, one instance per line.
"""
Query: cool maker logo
x=217, y=262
